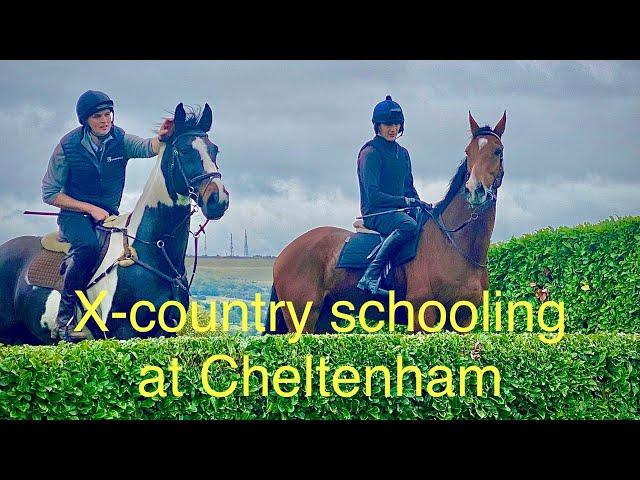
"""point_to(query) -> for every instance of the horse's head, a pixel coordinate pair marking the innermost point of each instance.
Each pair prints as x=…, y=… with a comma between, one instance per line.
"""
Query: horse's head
x=190, y=166
x=484, y=162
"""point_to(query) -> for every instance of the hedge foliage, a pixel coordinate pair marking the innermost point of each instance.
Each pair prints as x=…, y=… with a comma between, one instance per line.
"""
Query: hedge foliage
x=594, y=376
x=593, y=269
x=592, y=373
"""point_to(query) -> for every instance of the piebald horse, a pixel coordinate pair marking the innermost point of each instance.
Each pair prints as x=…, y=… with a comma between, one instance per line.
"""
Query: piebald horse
x=158, y=230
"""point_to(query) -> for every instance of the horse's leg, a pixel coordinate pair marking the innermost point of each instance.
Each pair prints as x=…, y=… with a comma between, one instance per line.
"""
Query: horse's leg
x=323, y=324
x=280, y=325
x=37, y=308
x=14, y=255
x=298, y=292
x=135, y=284
x=429, y=319
x=463, y=314
x=299, y=303
x=24, y=309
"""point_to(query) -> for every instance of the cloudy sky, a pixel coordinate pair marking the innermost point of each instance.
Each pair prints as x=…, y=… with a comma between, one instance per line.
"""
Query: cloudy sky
x=289, y=133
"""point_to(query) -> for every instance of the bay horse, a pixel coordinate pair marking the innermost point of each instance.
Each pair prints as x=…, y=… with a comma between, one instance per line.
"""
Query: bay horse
x=158, y=230
x=451, y=256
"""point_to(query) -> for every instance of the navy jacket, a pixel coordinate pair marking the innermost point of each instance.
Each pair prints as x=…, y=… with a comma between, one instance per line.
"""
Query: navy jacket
x=384, y=175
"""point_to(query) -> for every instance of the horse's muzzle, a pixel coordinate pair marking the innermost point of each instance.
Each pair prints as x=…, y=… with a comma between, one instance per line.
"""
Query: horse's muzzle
x=215, y=200
x=477, y=197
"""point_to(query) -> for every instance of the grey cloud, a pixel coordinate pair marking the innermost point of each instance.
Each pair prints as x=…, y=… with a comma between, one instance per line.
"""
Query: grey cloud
x=303, y=122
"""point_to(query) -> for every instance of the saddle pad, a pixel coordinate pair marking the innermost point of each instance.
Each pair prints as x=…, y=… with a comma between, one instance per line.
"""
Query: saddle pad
x=358, y=247
x=44, y=271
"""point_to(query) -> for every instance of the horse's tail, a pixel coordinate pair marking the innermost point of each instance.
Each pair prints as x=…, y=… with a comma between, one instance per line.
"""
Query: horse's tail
x=281, y=325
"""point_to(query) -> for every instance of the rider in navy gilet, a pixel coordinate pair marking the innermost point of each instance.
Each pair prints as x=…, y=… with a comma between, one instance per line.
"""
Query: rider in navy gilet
x=386, y=183
x=85, y=179
x=95, y=177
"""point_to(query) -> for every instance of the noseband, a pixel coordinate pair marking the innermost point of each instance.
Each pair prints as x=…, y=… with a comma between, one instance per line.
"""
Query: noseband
x=190, y=183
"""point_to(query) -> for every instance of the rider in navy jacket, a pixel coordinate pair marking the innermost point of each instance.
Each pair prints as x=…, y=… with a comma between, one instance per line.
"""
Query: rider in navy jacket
x=386, y=183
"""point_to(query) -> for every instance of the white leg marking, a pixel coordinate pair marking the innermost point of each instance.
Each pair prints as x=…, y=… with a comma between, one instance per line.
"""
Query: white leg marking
x=48, y=319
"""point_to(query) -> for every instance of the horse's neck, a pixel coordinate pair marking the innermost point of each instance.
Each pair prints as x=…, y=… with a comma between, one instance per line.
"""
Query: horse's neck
x=475, y=237
x=156, y=215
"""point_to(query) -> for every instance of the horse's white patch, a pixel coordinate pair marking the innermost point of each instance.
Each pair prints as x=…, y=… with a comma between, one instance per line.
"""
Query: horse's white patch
x=481, y=143
x=155, y=192
x=210, y=167
x=208, y=164
x=472, y=183
x=48, y=318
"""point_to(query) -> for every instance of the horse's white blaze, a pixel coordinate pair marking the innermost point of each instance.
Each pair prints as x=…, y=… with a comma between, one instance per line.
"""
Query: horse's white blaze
x=481, y=143
x=472, y=183
x=210, y=167
x=48, y=318
x=207, y=162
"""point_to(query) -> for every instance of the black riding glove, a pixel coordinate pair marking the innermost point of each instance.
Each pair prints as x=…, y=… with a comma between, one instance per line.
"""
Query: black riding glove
x=414, y=202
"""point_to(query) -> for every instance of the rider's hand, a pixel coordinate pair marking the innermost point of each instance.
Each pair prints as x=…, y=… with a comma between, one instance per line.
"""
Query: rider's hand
x=414, y=202
x=98, y=214
x=166, y=129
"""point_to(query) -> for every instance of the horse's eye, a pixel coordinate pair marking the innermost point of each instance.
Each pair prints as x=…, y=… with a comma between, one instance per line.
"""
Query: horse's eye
x=498, y=151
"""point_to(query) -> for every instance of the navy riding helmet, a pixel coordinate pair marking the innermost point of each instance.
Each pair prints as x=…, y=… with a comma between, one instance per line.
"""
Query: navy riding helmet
x=388, y=112
x=90, y=102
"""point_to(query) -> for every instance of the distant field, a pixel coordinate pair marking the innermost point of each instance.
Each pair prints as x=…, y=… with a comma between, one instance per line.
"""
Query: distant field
x=240, y=268
x=223, y=278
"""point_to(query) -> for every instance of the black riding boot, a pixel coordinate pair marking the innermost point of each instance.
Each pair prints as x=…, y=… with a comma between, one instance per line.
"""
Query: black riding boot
x=67, y=321
x=372, y=275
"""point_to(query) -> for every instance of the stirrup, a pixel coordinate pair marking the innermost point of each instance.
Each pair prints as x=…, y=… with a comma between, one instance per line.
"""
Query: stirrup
x=66, y=332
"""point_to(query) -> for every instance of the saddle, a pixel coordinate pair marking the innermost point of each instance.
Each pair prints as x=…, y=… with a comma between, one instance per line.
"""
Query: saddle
x=360, y=249
x=48, y=268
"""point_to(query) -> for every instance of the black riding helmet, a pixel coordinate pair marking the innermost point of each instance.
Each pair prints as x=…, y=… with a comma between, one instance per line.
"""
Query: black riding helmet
x=388, y=112
x=90, y=102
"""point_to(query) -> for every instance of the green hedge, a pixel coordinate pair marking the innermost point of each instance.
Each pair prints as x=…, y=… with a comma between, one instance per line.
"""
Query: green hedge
x=593, y=269
x=593, y=376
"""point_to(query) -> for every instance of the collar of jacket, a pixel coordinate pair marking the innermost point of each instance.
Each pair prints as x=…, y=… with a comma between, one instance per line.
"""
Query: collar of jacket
x=87, y=142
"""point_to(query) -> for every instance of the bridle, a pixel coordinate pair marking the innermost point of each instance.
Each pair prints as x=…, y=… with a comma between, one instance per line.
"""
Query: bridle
x=179, y=280
x=192, y=192
x=477, y=210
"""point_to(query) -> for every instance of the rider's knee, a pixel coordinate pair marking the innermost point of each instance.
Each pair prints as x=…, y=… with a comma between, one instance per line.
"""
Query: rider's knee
x=85, y=254
x=408, y=227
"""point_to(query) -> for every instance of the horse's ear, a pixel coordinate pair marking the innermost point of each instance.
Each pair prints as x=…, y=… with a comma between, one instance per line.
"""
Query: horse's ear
x=500, y=126
x=179, y=117
x=473, y=124
x=206, y=120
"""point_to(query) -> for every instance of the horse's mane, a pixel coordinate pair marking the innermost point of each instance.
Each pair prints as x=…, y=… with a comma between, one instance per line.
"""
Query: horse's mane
x=455, y=184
